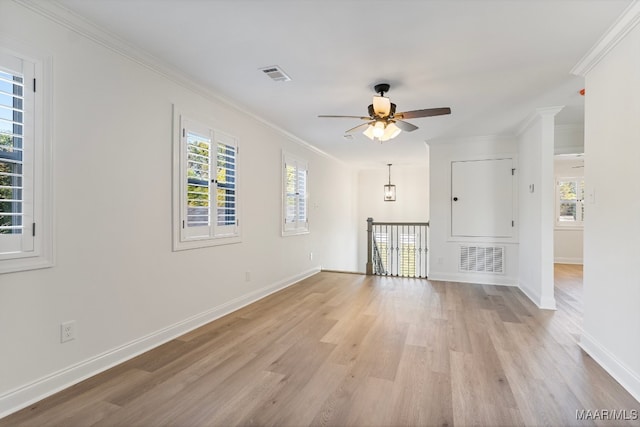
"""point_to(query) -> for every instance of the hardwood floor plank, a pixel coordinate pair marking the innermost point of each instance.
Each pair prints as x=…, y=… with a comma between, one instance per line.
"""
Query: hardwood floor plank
x=368, y=409
x=349, y=339
x=383, y=348
x=473, y=402
x=235, y=405
x=148, y=407
x=421, y=395
x=92, y=405
x=432, y=334
x=338, y=406
x=503, y=310
x=197, y=362
x=298, y=404
x=458, y=332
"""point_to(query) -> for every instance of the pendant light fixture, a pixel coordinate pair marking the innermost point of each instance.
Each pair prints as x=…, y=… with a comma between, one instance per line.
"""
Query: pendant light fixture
x=389, y=189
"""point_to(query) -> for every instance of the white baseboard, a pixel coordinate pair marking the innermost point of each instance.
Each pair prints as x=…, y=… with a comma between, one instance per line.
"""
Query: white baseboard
x=547, y=303
x=481, y=279
x=28, y=394
x=566, y=260
x=619, y=371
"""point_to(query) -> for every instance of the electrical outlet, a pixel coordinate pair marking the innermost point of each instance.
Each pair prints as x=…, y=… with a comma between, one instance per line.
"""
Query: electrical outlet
x=247, y=276
x=68, y=331
x=310, y=256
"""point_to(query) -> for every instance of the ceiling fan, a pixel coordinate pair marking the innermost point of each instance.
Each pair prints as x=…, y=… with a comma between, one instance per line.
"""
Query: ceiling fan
x=383, y=123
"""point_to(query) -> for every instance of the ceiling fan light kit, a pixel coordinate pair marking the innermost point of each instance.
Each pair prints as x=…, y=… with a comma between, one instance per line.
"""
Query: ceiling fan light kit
x=383, y=121
x=391, y=132
x=378, y=129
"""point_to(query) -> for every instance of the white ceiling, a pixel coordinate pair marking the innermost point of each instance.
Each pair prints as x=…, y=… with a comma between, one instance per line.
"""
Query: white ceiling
x=492, y=62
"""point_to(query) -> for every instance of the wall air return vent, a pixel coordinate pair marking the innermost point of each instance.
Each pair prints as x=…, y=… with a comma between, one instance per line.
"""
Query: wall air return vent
x=481, y=259
x=276, y=73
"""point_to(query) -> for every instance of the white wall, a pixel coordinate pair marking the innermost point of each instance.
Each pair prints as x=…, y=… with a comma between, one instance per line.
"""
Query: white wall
x=115, y=273
x=611, y=330
x=568, y=241
x=567, y=245
x=444, y=249
x=569, y=139
x=411, y=205
x=536, y=207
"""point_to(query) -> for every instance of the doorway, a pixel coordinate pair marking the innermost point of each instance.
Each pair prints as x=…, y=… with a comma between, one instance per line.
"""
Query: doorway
x=568, y=233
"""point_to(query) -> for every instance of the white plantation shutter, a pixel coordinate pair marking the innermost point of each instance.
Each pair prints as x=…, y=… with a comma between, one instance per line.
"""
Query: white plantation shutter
x=295, y=195
x=197, y=141
x=226, y=185
x=17, y=138
x=290, y=195
x=301, y=187
x=208, y=183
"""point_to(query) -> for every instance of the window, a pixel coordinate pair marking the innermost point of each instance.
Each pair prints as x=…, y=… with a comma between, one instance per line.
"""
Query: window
x=570, y=202
x=408, y=254
x=25, y=219
x=207, y=187
x=294, y=195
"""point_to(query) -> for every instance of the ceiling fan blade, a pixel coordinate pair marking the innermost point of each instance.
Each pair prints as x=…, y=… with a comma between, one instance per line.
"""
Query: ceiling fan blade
x=346, y=117
x=353, y=129
x=429, y=112
x=406, y=126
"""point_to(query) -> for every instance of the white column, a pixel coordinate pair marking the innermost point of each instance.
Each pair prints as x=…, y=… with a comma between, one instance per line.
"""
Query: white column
x=536, y=206
x=547, y=205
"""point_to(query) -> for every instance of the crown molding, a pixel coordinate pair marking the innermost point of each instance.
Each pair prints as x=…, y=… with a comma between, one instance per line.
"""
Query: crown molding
x=625, y=23
x=65, y=17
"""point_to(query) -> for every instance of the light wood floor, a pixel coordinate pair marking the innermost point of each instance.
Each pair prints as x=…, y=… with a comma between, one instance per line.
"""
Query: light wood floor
x=344, y=349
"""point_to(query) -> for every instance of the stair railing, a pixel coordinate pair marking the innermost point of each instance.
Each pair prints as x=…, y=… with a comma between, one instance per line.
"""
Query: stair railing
x=397, y=248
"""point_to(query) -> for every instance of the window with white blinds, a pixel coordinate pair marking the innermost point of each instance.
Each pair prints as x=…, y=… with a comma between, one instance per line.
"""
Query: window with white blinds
x=295, y=195
x=570, y=202
x=25, y=235
x=208, y=187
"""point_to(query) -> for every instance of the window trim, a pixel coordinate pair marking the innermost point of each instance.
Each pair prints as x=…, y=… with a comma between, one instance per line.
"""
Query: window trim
x=296, y=227
x=42, y=255
x=218, y=235
x=578, y=224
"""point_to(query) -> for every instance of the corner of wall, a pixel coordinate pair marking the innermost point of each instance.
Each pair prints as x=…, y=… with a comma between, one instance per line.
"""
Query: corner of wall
x=543, y=303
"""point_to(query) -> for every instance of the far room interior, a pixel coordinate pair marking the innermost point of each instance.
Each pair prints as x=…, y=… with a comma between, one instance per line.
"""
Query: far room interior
x=296, y=213
x=569, y=214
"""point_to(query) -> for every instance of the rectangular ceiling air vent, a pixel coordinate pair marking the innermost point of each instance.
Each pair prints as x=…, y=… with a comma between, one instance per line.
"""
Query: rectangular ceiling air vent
x=276, y=73
x=481, y=259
